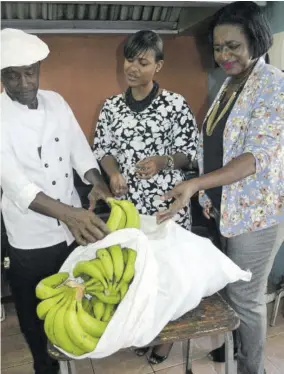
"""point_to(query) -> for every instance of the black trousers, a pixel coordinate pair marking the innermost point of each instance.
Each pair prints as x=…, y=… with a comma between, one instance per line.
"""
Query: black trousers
x=27, y=268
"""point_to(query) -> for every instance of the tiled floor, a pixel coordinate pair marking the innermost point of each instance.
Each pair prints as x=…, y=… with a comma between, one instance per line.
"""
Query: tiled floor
x=16, y=358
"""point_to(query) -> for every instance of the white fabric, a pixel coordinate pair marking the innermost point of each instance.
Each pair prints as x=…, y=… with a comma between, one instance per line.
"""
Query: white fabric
x=174, y=270
x=21, y=49
x=24, y=173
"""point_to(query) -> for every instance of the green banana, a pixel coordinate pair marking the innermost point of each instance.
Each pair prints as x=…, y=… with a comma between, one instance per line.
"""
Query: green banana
x=107, y=299
x=123, y=289
x=106, y=260
x=129, y=270
x=85, y=277
x=44, y=306
x=49, y=319
x=115, y=217
x=132, y=214
x=85, y=267
x=75, y=331
x=51, y=286
x=97, y=262
x=117, y=259
x=87, y=305
x=124, y=254
x=91, y=282
x=91, y=325
x=95, y=287
x=98, y=308
x=122, y=221
x=109, y=312
x=61, y=336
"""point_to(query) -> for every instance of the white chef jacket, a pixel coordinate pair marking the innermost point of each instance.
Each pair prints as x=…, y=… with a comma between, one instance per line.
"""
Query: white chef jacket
x=25, y=171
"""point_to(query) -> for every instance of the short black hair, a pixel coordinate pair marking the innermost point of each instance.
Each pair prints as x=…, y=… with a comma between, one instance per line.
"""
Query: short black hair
x=143, y=41
x=250, y=17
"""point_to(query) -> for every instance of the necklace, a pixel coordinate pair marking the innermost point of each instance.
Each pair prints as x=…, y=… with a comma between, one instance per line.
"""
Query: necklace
x=211, y=122
x=140, y=105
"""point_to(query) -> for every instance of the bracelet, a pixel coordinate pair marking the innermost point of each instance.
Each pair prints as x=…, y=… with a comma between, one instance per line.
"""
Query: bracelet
x=170, y=163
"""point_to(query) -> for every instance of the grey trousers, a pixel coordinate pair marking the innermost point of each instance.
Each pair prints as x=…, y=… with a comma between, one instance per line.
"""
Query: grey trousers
x=254, y=251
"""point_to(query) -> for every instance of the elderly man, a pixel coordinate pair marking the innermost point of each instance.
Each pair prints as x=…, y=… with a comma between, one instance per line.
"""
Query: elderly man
x=41, y=144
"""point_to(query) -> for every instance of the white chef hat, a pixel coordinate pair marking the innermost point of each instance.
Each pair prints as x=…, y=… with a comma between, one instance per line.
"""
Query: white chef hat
x=21, y=49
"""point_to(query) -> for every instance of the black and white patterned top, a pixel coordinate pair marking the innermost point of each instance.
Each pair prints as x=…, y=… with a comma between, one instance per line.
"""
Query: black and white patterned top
x=166, y=127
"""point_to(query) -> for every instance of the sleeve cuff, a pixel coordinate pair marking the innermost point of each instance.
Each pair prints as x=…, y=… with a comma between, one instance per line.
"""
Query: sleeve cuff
x=26, y=197
x=92, y=165
x=261, y=159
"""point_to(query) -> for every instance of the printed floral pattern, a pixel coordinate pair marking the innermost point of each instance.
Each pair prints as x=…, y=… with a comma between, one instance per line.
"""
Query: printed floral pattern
x=166, y=127
x=255, y=125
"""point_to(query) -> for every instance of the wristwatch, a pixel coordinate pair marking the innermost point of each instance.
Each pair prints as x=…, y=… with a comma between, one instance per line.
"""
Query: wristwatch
x=170, y=164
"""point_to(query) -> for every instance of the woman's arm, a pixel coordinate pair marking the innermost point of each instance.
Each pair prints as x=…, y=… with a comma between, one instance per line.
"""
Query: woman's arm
x=110, y=165
x=237, y=169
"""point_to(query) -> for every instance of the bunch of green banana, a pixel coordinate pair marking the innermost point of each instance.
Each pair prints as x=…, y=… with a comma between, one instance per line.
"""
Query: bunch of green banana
x=123, y=214
x=69, y=322
x=74, y=321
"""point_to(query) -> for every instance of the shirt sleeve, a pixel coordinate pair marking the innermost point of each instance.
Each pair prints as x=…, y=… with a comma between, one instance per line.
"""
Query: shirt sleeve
x=103, y=142
x=16, y=186
x=82, y=157
x=264, y=138
x=184, y=132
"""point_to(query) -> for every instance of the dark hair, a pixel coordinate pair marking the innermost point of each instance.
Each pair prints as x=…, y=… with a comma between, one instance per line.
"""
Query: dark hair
x=249, y=16
x=143, y=41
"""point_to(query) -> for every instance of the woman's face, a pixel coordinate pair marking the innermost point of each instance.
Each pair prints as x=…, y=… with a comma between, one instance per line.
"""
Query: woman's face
x=231, y=49
x=141, y=70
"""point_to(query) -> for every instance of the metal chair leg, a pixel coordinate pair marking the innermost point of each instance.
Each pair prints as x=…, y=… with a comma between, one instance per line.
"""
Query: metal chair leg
x=188, y=362
x=229, y=353
x=276, y=306
x=67, y=367
x=3, y=314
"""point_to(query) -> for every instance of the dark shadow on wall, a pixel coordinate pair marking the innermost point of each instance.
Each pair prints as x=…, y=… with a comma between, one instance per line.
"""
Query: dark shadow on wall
x=119, y=66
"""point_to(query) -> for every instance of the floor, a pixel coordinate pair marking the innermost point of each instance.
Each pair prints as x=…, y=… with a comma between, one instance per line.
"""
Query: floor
x=16, y=358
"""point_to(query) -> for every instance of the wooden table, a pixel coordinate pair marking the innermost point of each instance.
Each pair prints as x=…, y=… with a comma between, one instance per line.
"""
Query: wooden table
x=212, y=316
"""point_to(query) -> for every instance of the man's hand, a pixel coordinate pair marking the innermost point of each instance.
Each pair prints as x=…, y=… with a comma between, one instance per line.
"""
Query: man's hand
x=118, y=185
x=85, y=226
x=150, y=166
x=182, y=194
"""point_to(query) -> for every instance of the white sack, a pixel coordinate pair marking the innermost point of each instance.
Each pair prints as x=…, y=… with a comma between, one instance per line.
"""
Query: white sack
x=174, y=270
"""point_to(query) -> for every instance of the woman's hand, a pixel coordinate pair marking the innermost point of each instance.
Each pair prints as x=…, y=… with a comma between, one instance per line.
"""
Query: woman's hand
x=182, y=194
x=118, y=185
x=150, y=166
x=207, y=212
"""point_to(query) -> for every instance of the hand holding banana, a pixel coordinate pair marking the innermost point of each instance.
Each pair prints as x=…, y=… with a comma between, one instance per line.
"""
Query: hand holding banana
x=76, y=314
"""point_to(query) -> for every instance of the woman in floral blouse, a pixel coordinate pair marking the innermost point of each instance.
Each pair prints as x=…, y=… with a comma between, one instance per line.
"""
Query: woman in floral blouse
x=145, y=137
x=242, y=162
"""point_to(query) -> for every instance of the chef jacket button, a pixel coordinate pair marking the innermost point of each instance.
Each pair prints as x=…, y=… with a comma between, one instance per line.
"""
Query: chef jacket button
x=46, y=165
x=60, y=158
x=66, y=175
x=54, y=183
x=56, y=139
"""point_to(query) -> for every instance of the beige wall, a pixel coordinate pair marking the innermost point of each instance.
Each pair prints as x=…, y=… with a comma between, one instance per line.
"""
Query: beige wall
x=87, y=69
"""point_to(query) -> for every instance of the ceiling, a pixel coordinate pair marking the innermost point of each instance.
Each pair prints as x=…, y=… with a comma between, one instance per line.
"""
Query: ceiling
x=170, y=17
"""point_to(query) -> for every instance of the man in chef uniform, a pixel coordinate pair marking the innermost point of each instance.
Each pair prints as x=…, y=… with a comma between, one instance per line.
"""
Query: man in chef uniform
x=41, y=144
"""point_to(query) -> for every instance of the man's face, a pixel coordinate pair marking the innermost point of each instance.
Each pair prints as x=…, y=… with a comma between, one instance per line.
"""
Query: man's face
x=21, y=83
